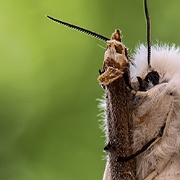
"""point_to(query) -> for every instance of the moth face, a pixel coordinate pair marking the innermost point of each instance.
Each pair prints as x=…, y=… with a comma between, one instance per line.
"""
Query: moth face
x=165, y=65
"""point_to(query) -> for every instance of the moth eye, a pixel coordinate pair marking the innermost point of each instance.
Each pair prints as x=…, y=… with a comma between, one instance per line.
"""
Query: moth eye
x=152, y=77
x=140, y=81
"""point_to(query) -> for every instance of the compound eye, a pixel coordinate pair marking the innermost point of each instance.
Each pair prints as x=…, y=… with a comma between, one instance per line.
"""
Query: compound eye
x=152, y=77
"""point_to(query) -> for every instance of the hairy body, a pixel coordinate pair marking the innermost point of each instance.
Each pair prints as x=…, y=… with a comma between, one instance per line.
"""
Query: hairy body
x=156, y=105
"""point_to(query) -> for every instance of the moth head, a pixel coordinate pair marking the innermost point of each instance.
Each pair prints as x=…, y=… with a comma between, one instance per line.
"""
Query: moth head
x=151, y=80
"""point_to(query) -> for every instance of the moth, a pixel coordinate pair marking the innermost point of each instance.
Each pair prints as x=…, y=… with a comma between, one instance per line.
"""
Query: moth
x=155, y=86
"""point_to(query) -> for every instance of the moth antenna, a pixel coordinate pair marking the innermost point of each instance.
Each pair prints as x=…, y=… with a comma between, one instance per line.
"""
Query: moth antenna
x=148, y=21
x=86, y=31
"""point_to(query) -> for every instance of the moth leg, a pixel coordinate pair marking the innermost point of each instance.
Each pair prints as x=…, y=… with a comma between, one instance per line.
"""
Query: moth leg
x=145, y=147
x=153, y=141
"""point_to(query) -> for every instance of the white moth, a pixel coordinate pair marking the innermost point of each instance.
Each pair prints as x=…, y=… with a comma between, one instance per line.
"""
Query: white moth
x=159, y=104
x=156, y=110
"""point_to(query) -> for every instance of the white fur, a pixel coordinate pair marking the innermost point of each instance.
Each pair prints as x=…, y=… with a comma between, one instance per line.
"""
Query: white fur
x=159, y=104
x=165, y=60
x=163, y=158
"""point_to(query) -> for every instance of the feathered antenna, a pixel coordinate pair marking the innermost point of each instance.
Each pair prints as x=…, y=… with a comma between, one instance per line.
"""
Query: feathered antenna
x=86, y=31
x=148, y=21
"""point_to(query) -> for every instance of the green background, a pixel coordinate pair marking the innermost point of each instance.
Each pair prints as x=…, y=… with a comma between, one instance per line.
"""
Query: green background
x=49, y=128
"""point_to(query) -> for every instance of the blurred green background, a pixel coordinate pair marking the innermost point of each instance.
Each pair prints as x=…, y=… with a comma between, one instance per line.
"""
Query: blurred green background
x=49, y=129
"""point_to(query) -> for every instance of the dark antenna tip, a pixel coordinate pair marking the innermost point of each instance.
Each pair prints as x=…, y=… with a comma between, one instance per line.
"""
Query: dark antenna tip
x=148, y=21
x=86, y=31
